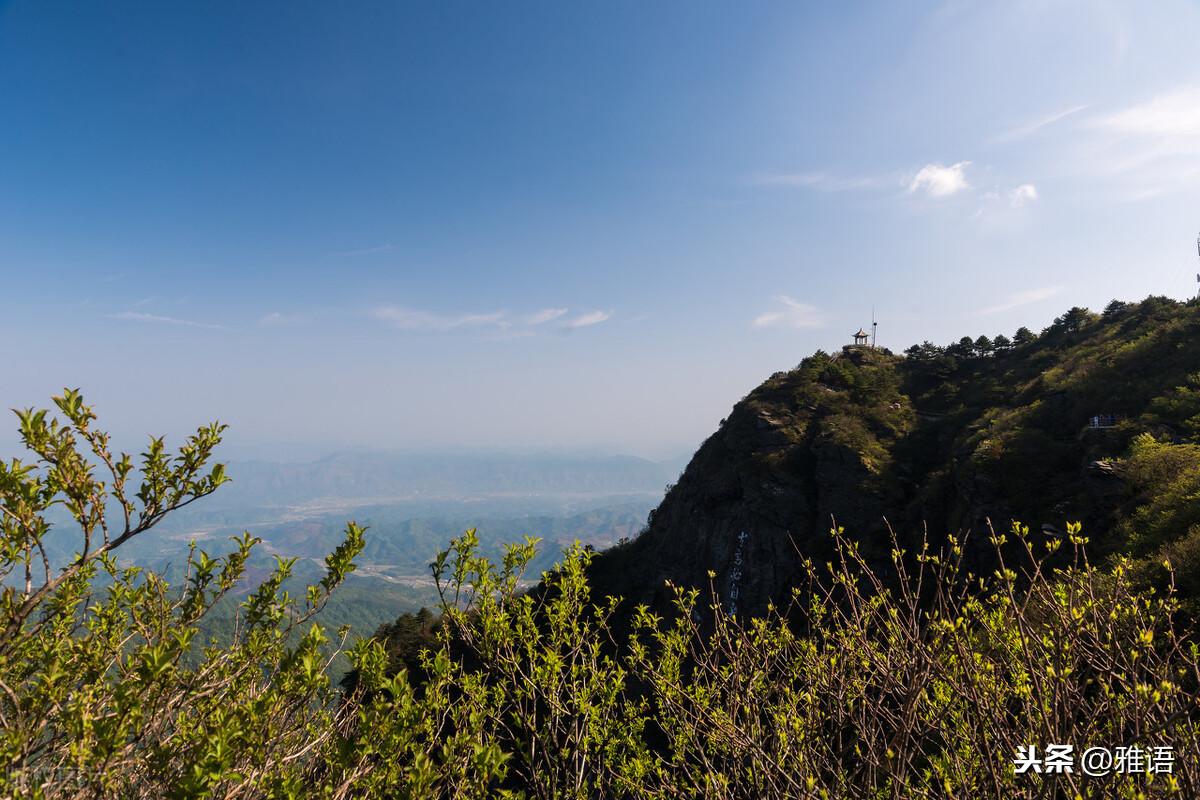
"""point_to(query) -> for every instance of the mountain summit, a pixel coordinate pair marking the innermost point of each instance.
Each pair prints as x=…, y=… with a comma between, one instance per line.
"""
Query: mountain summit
x=1068, y=425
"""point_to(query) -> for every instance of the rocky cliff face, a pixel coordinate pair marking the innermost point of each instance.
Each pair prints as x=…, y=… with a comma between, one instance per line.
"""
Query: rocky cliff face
x=943, y=438
x=806, y=447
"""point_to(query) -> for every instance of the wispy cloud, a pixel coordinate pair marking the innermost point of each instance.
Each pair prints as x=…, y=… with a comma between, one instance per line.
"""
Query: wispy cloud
x=590, y=318
x=1022, y=195
x=822, y=181
x=413, y=320
x=934, y=180
x=794, y=314
x=1024, y=298
x=1001, y=209
x=938, y=180
x=277, y=319
x=137, y=316
x=496, y=324
x=1146, y=148
x=1030, y=128
x=544, y=316
x=1172, y=115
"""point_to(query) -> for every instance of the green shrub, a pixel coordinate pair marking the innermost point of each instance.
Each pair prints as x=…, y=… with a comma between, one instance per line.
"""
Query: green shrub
x=917, y=682
x=97, y=698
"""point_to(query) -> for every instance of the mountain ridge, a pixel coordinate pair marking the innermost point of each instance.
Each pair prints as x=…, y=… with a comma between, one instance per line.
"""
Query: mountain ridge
x=940, y=439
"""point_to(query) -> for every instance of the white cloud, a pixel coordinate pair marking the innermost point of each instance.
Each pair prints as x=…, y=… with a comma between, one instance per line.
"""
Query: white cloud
x=938, y=180
x=412, y=320
x=544, y=316
x=590, y=318
x=1025, y=193
x=1024, y=298
x=794, y=314
x=137, y=316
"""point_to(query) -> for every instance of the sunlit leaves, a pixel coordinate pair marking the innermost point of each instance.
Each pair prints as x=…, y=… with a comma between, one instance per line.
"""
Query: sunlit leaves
x=104, y=690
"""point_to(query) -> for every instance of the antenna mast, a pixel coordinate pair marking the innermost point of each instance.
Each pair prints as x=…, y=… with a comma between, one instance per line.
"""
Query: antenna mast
x=1198, y=273
x=875, y=325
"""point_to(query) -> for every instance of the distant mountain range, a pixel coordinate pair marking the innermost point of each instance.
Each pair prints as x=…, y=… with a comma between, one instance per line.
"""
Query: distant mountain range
x=411, y=505
x=376, y=476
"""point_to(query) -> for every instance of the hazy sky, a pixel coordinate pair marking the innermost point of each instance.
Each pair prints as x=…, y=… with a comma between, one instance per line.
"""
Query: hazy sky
x=560, y=225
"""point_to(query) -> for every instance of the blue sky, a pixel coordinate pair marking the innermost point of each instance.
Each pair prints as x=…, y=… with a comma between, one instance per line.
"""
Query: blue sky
x=561, y=226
